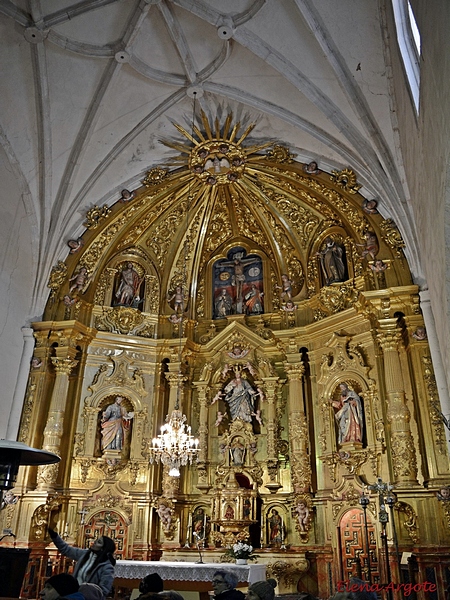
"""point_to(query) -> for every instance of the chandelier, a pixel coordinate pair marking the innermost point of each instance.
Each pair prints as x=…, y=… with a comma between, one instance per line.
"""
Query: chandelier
x=175, y=446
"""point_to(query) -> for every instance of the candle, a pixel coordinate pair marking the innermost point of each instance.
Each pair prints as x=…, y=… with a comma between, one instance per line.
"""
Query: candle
x=282, y=529
x=204, y=526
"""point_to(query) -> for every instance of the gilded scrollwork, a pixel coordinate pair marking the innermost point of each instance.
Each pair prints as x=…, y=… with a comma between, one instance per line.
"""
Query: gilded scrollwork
x=124, y=320
x=410, y=523
x=392, y=236
x=96, y=215
x=57, y=277
x=434, y=404
x=280, y=154
x=346, y=179
x=155, y=176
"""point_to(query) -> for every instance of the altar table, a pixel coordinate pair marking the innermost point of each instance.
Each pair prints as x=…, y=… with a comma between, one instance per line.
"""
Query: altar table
x=183, y=576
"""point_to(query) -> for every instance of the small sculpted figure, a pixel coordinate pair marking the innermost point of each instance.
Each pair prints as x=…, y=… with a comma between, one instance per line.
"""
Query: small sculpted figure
x=302, y=515
x=80, y=280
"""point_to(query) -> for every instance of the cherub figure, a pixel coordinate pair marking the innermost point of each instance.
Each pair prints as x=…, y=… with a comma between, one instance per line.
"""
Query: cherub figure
x=75, y=245
x=302, y=511
x=36, y=362
x=127, y=196
x=165, y=514
x=444, y=494
x=80, y=279
x=289, y=306
x=378, y=266
x=68, y=301
x=371, y=247
x=257, y=415
x=370, y=207
x=219, y=419
x=261, y=394
x=420, y=334
x=217, y=397
x=178, y=299
x=311, y=168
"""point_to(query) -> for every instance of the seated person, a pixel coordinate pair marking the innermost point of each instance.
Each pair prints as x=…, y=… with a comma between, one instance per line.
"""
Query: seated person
x=224, y=585
x=91, y=591
x=152, y=583
x=60, y=585
x=262, y=590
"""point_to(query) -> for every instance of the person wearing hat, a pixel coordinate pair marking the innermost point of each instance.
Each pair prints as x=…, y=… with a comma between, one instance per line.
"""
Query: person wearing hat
x=262, y=590
x=60, y=585
x=94, y=564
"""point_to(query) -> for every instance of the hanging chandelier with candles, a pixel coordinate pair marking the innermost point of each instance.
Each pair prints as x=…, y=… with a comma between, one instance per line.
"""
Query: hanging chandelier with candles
x=175, y=446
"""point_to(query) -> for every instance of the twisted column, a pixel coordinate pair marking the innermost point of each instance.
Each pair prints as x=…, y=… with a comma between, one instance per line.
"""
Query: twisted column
x=270, y=384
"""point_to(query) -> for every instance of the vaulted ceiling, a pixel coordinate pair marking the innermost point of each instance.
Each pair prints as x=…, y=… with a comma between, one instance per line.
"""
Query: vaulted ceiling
x=91, y=88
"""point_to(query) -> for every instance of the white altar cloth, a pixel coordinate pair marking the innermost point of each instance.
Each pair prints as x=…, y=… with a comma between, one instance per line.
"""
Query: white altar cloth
x=186, y=571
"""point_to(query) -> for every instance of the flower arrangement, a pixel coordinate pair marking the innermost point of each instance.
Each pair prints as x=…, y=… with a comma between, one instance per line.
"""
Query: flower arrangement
x=241, y=551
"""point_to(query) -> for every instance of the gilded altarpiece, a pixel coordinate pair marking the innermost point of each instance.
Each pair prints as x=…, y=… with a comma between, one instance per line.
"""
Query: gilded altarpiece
x=283, y=320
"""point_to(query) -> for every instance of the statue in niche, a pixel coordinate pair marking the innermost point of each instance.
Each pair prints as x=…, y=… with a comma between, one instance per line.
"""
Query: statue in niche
x=199, y=523
x=115, y=425
x=229, y=513
x=275, y=527
x=332, y=261
x=237, y=452
x=223, y=304
x=240, y=397
x=349, y=415
x=237, y=284
x=253, y=301
x=127, y=293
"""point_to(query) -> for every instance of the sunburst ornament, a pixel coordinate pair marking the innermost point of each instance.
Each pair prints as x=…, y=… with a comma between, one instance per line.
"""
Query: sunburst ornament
x=218, y=156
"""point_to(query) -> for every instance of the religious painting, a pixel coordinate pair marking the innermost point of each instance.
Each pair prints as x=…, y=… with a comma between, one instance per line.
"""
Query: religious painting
x=238, y=285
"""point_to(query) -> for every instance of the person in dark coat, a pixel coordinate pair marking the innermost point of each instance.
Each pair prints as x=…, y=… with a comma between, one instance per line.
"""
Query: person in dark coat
x=224, y=585
x=94, y=564
x=60, y=585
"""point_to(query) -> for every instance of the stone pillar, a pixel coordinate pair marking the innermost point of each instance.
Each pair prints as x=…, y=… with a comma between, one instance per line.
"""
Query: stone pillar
x=21, y=385
x=298, y=430
x=270, y=384
x=47, y=474
x=403, y=453
x=438, y=366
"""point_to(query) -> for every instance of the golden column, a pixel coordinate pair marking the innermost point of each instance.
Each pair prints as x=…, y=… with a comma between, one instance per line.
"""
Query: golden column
x=270, y=384
x=176, y=392
x=47, y=474
x=202, y=471
x=403, y=453
x=298, y=430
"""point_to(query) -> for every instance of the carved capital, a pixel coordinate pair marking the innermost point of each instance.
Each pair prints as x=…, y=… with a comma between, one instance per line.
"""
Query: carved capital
x=63, y=366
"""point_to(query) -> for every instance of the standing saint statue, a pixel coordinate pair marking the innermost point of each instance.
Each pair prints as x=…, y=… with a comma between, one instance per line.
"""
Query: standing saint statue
x=275, y=527
x=115, y=423
x=223, y=304
x=332, y=261
x=239, y=396
x=127, y=292
x=349, y=415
